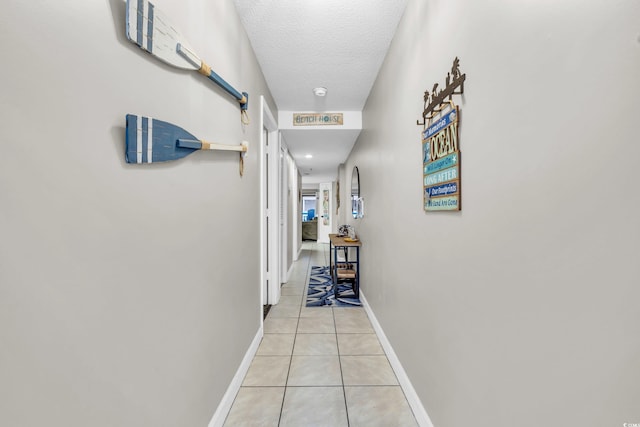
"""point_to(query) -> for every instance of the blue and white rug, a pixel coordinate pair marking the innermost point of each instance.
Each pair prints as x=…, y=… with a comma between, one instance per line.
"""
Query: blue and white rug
x=320, y=292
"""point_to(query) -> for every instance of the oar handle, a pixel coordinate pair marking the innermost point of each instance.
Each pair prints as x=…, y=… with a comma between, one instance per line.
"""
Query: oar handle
x=223, y=147
x=204, y=145
x=243, y=98
x=205, y=69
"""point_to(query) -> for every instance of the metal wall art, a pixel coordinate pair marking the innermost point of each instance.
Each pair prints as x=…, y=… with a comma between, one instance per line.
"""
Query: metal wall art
x=440, y=144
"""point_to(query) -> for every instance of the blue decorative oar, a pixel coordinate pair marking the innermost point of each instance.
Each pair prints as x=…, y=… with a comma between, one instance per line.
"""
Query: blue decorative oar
x=150, y=140
x=150, y=29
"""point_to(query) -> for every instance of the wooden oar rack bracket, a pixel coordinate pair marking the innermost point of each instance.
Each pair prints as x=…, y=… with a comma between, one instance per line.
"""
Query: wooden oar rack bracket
x=436, y=101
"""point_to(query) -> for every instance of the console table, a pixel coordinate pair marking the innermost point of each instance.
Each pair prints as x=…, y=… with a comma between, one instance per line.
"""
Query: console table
x=349, y=269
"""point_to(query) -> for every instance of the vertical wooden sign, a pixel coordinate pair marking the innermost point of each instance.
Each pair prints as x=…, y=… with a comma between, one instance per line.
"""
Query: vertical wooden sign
x=325, y=207
x=440, y=146
x=441, y=163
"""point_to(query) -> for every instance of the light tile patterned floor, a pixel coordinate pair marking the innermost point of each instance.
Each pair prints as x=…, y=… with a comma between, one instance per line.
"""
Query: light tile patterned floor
x=318, y=366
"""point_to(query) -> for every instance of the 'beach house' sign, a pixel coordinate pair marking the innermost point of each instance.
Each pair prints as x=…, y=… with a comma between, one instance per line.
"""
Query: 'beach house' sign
x=317, y=119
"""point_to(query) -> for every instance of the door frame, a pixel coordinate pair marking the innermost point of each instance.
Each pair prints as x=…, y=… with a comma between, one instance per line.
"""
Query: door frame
x=269, y=216
x=285, y=195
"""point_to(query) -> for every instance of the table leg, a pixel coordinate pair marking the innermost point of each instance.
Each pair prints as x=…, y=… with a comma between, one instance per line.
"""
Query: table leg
x=334, y=270
x=356, y=291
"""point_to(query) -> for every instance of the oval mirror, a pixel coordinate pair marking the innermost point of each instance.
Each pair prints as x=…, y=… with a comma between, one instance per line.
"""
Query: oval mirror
x=355, y=191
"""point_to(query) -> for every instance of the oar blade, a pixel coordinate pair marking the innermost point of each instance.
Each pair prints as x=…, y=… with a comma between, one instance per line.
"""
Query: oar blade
x=150, y=29
x=150, y=140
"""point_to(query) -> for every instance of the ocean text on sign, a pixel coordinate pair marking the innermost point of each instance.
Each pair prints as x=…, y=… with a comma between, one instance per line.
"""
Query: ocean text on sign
x=445, y=142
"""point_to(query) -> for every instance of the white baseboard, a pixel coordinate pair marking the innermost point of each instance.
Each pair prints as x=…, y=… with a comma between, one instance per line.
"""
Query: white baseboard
x=412, y=397
x=227, y=400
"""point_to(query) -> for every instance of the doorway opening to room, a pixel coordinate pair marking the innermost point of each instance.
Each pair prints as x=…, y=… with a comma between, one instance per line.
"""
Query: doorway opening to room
x=308, y=207
x=309, y=216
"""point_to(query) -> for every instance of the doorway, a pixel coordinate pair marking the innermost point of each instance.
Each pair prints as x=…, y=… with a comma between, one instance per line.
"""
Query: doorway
x=309, y=208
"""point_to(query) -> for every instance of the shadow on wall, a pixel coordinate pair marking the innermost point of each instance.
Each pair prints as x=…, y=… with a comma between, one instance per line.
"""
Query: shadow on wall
x=119, y=11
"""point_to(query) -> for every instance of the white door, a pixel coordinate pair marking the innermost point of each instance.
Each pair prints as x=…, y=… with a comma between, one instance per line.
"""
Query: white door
x=324, y=207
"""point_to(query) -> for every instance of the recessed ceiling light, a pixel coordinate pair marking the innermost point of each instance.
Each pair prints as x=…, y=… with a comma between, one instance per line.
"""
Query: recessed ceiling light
x=308, y=156
x=320, y=91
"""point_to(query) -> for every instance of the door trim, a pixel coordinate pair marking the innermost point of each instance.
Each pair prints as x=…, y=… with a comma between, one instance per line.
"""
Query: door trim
x=268, y=121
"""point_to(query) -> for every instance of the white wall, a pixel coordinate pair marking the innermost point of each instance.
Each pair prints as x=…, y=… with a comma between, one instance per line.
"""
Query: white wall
x=120, y=304
x=522, y=309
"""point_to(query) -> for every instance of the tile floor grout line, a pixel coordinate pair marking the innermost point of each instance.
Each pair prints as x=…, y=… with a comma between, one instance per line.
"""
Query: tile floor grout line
x=286, y=382
x=344, y=391
x=322, y=386
x=327, y=256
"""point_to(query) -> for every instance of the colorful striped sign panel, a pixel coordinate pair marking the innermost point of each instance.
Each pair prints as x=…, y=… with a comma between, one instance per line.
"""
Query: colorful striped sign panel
x=440, y=124
x=443, y=176
x=448, y=203
x=440, y=164
x=445, y=189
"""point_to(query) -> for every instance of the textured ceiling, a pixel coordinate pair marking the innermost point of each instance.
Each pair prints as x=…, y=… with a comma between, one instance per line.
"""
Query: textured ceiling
x=302, y=44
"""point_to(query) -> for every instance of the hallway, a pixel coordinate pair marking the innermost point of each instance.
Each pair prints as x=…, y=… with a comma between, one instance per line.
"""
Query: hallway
x=318, y=366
